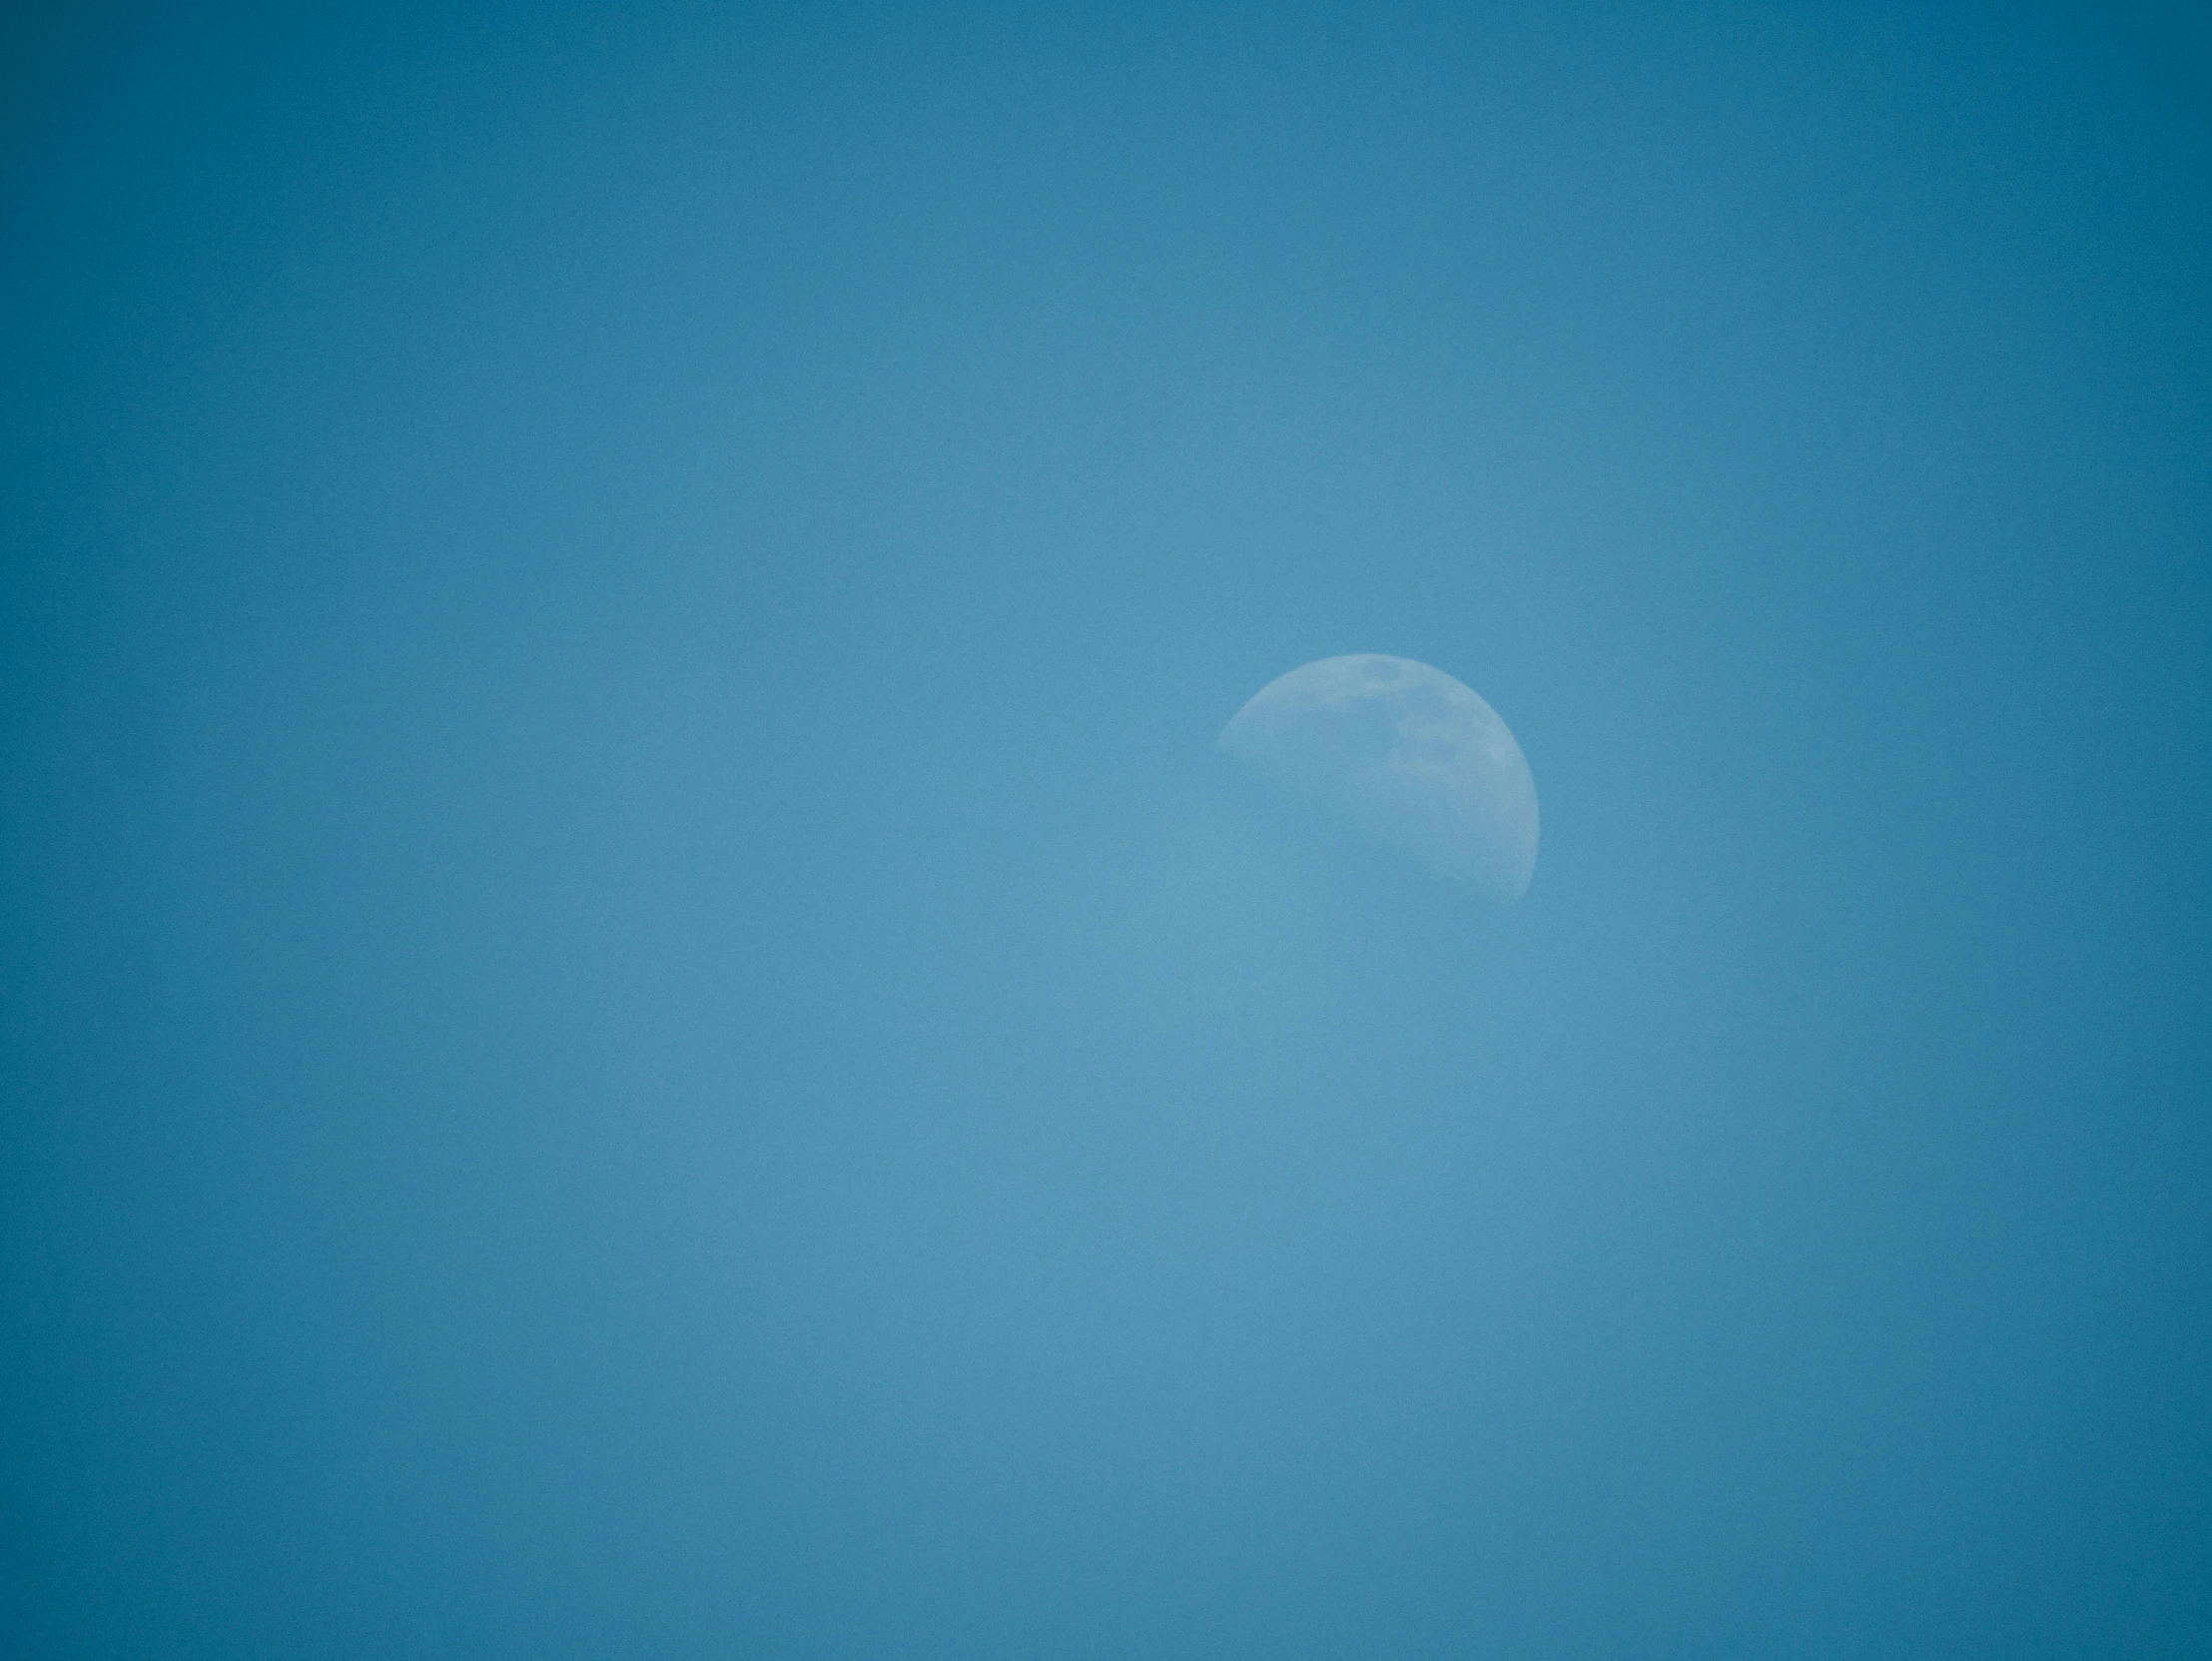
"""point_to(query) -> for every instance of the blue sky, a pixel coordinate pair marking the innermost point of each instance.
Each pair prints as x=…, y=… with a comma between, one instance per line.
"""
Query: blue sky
x=636, y=1016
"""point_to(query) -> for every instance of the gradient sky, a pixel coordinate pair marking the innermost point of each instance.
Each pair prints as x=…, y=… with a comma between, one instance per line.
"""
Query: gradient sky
x=636, y=1016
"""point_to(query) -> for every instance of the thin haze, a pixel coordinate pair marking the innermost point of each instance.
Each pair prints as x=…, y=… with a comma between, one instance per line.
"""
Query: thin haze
x=637, y=1017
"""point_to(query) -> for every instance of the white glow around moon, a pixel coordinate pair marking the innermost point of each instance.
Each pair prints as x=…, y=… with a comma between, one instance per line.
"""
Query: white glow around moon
x=1404, y=754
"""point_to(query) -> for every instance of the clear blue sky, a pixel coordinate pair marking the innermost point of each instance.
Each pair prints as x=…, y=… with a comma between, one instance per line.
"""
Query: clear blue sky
x=635, y=1017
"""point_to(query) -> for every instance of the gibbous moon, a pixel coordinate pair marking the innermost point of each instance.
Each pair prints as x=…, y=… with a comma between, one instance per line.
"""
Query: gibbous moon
x=1403, y=754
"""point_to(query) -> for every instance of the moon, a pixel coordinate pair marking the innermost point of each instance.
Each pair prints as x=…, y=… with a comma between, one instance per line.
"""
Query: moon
x=1403, y=754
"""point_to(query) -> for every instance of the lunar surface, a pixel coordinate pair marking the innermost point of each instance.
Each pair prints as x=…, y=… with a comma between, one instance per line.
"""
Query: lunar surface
x=1403, y=754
